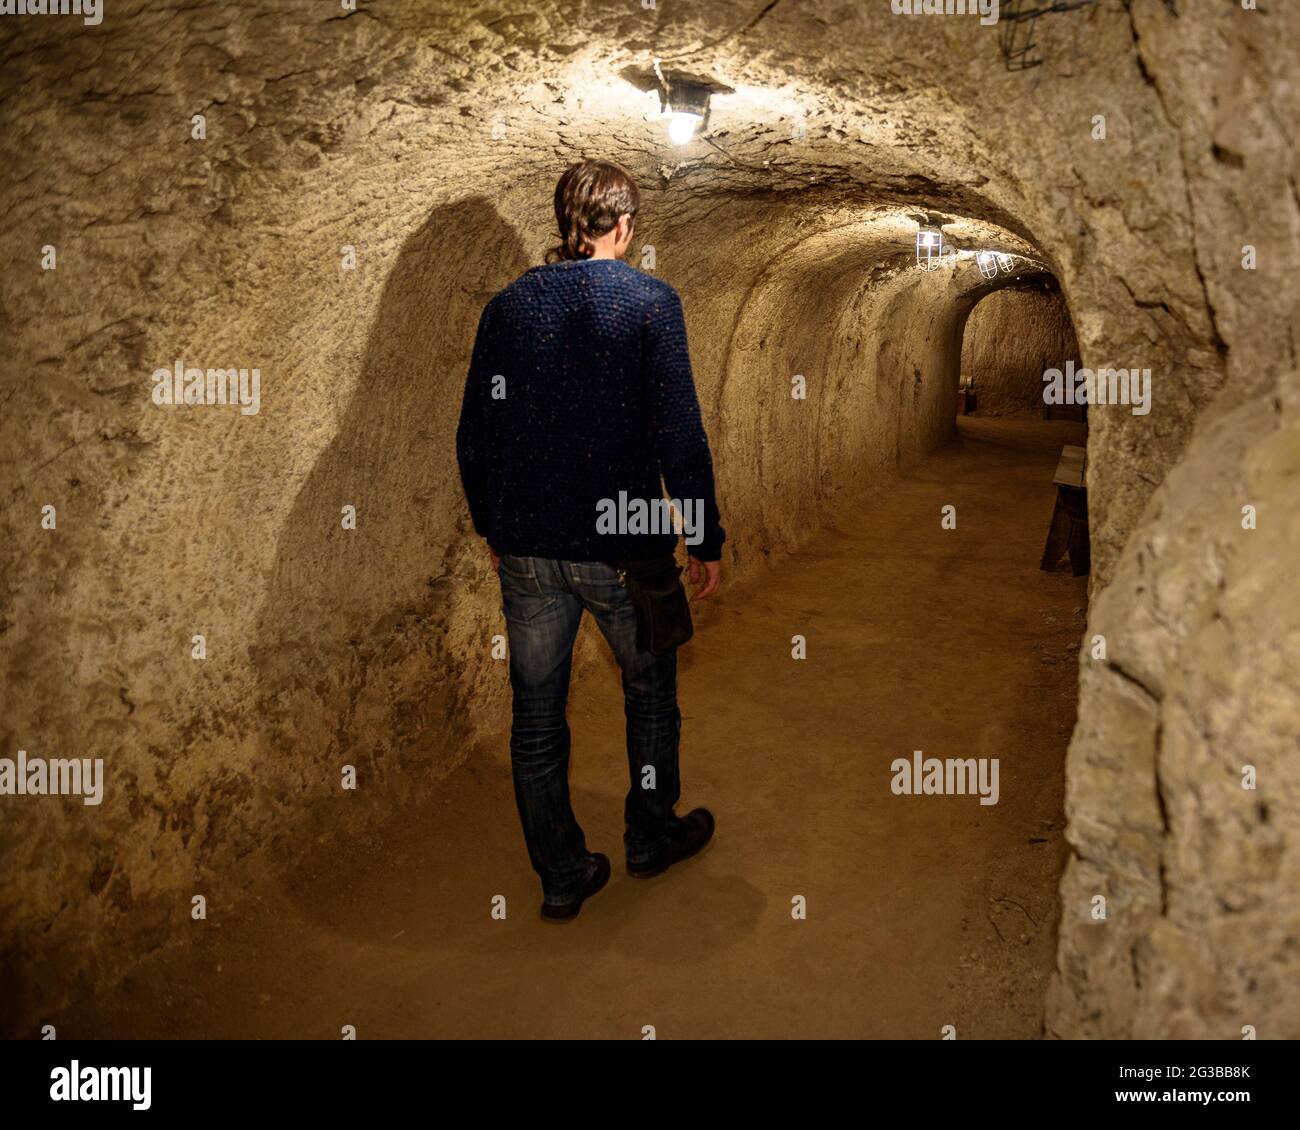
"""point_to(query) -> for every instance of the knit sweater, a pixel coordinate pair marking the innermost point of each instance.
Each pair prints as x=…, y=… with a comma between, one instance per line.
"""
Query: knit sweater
x=579, y=410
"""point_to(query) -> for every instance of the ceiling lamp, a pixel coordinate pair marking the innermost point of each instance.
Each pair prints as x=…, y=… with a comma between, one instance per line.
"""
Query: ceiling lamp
x=929, y=247
x=686, y=105
x=988, y=264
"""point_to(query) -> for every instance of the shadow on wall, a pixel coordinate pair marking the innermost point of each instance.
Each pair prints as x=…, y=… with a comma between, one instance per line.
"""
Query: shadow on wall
x=373, y=644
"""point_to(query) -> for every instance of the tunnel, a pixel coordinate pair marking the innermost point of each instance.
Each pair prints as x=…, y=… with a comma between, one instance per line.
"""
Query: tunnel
x=272, y=624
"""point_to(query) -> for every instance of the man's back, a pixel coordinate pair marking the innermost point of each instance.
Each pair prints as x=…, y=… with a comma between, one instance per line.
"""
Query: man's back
x=580, y=389
x=580, y=394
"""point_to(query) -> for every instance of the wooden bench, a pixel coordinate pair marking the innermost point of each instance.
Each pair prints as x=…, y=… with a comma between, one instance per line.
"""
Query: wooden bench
x=1069, y=529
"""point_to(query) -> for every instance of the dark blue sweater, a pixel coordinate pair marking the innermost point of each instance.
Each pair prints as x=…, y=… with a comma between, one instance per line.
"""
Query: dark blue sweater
x=580, y=388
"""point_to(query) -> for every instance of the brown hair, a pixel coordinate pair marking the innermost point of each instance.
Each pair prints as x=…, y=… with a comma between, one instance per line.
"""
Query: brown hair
x=589, y=199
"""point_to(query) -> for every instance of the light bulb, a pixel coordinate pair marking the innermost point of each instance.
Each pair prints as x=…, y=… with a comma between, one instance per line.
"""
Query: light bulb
x=929, y=248
x=681, y=127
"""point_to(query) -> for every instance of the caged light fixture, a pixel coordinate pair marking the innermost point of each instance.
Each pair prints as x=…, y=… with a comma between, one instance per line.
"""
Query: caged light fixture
x=685, y=105
x=990, y=262
x=929, y=247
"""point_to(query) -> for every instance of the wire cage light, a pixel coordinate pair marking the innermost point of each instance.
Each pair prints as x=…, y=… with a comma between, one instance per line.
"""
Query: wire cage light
x=685, y=107
x=1016, y=29
x=929, y=247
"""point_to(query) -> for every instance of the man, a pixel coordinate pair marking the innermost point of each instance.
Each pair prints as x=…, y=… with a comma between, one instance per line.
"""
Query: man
x=579, y=394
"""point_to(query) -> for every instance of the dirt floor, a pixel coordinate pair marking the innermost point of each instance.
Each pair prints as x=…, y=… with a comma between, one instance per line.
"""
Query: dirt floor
x=922, y=911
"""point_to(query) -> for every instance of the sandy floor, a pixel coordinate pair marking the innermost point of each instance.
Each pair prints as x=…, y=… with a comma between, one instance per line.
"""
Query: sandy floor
x=921, y=911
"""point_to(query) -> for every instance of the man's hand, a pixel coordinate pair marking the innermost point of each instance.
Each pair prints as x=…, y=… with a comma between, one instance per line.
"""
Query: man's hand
x=707, y=575
x=496, y=561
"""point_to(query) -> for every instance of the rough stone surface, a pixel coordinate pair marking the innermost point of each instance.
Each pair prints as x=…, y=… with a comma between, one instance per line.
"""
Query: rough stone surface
x=1193, y=700
x=428, y=137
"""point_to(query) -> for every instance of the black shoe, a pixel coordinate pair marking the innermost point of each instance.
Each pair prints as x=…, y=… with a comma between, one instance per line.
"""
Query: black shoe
x=692, y=833
x=568, y=911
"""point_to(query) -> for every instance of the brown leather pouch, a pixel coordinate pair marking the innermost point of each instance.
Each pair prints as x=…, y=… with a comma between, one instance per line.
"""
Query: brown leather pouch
x=663, y=614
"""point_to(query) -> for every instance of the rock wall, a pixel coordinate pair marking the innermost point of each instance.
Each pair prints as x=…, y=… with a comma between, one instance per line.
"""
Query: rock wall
x=1180, y=912
x=1183, y=795
x=426, y=139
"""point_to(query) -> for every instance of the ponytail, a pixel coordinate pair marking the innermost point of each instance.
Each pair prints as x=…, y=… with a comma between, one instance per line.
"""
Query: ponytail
x=589, y=199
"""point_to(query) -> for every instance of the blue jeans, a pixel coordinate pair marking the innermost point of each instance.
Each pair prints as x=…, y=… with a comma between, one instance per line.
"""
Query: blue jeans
x=543, y=601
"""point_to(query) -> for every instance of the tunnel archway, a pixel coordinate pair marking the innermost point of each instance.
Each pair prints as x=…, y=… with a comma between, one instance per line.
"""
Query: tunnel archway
x=876, y=339
x=1011, y=338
